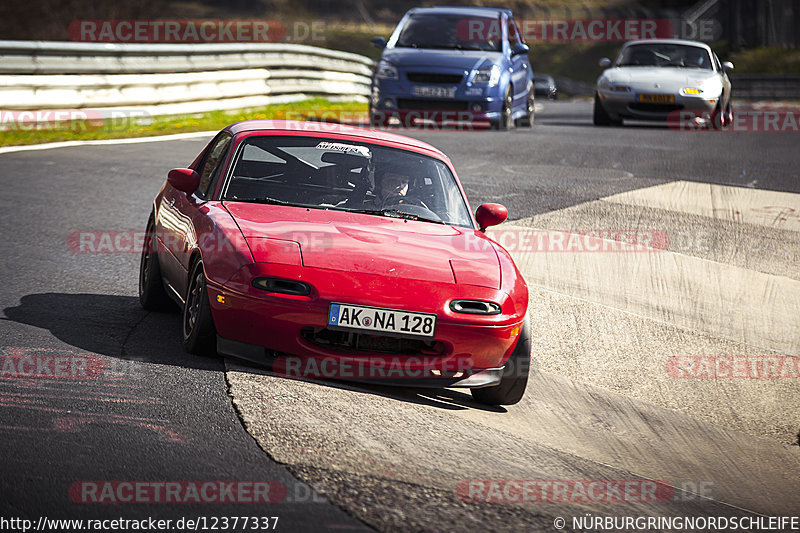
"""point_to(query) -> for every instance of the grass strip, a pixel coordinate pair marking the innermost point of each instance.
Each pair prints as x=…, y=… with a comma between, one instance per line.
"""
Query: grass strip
x=17, y=134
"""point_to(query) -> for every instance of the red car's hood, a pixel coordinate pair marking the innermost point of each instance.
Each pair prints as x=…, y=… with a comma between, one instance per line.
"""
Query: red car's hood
x=371, y=244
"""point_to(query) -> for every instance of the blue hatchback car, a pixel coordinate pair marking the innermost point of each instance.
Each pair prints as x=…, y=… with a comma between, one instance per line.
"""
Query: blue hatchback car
x=454, y=64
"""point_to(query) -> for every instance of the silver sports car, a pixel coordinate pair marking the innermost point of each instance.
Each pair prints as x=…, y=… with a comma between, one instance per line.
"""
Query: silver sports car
x=663, y=80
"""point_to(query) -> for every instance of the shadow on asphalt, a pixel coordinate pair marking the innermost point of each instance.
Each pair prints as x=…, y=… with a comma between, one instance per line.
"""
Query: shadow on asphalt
x=446, y=399
x=111, y=325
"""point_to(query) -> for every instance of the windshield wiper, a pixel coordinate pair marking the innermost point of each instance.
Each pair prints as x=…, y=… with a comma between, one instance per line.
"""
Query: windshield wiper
x=272, y=201
x=396, y=213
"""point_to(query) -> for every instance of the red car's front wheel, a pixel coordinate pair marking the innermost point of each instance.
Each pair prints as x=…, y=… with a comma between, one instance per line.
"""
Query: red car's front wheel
x=515, y=374
x=199, y=333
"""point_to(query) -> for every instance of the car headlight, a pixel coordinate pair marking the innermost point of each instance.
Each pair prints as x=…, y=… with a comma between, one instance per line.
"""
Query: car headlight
x=475, y=307
x=608, y=85
x=490, y=74
x=692, y=91
x=282, y=286
x=386, y=71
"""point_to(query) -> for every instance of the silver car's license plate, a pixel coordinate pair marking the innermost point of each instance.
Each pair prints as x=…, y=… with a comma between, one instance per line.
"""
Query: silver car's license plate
x=379, y=321
x=435, y=92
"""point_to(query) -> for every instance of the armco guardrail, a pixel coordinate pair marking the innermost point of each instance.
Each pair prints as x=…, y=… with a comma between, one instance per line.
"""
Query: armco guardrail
x=163, y=79
x=766, y=86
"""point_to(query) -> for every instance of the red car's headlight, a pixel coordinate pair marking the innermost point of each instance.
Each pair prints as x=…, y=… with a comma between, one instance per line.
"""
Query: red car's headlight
x=282, y=286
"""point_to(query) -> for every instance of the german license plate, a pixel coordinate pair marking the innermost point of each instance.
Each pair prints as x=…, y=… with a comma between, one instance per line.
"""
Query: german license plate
x=657, y=98
x=391, y=322
x=435, y=92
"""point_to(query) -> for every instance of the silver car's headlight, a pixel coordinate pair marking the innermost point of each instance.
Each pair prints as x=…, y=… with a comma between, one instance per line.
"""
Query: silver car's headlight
x=490, y=74
x=692, y=91
x=607, y=85
x=386, y=71
x=707, y=90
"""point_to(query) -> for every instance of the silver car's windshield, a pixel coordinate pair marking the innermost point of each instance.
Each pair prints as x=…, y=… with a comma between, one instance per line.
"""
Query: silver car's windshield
x=665, y=55
x=325, y=173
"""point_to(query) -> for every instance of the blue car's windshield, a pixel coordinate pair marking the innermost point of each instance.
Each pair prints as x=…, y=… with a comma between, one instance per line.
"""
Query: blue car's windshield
x=441, y=31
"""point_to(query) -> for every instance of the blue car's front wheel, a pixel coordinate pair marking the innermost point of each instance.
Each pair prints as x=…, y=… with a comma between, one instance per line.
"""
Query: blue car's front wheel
x=526, y=121
x=505, y=121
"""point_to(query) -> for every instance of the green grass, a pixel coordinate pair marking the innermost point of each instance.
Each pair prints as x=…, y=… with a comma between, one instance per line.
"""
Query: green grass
x=766, y=61
x=215, y=120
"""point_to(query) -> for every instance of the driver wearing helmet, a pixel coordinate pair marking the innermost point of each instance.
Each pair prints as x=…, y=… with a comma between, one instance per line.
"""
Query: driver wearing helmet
x=391, y=185
x=391, y=188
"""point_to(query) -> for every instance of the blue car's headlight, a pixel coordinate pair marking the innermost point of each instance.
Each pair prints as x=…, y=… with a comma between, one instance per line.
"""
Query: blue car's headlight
x=489, y=74
x=386, y=71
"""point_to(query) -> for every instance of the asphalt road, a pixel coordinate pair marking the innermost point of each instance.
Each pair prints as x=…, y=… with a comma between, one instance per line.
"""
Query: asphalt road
x=600, y=406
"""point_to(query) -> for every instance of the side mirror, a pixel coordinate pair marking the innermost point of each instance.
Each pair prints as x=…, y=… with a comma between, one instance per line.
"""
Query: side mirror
x=727, y=66
x=378, y=42
x=520, y=48
x=605, y=62
x=184, y=179
x=490, y=215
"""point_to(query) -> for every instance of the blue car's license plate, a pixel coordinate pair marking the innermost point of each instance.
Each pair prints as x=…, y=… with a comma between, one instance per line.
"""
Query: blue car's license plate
x=435, y=92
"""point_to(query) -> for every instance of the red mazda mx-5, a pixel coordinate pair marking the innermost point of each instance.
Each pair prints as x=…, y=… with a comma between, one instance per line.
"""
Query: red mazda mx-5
x=327, y=251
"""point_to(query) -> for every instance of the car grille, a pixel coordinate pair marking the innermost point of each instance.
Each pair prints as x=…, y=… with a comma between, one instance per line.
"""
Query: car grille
x=361, y=342
x=434, y=77
x=432, y=105
x=655, y=108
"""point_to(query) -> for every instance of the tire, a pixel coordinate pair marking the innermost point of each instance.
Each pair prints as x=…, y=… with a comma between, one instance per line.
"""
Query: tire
x=152, y=295
x=505, y=123
x=199, y=333
x=527, y=120
x=720, y=120
x=601, y=117
x=515, y=374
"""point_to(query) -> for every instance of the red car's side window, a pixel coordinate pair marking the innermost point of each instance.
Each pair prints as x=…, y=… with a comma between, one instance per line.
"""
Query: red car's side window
x=212, y=163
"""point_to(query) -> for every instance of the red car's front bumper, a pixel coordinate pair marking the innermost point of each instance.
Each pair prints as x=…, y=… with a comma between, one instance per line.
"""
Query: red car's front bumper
x=289, y=332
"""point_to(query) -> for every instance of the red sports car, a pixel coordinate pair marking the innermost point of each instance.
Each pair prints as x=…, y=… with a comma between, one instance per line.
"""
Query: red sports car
x=328, y=251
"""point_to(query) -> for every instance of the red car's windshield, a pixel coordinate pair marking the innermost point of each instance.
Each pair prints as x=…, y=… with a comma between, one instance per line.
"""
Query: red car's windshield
x=326, y=173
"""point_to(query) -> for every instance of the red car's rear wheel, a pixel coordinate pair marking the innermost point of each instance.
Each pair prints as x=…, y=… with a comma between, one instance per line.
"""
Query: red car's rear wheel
x=152, y=295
